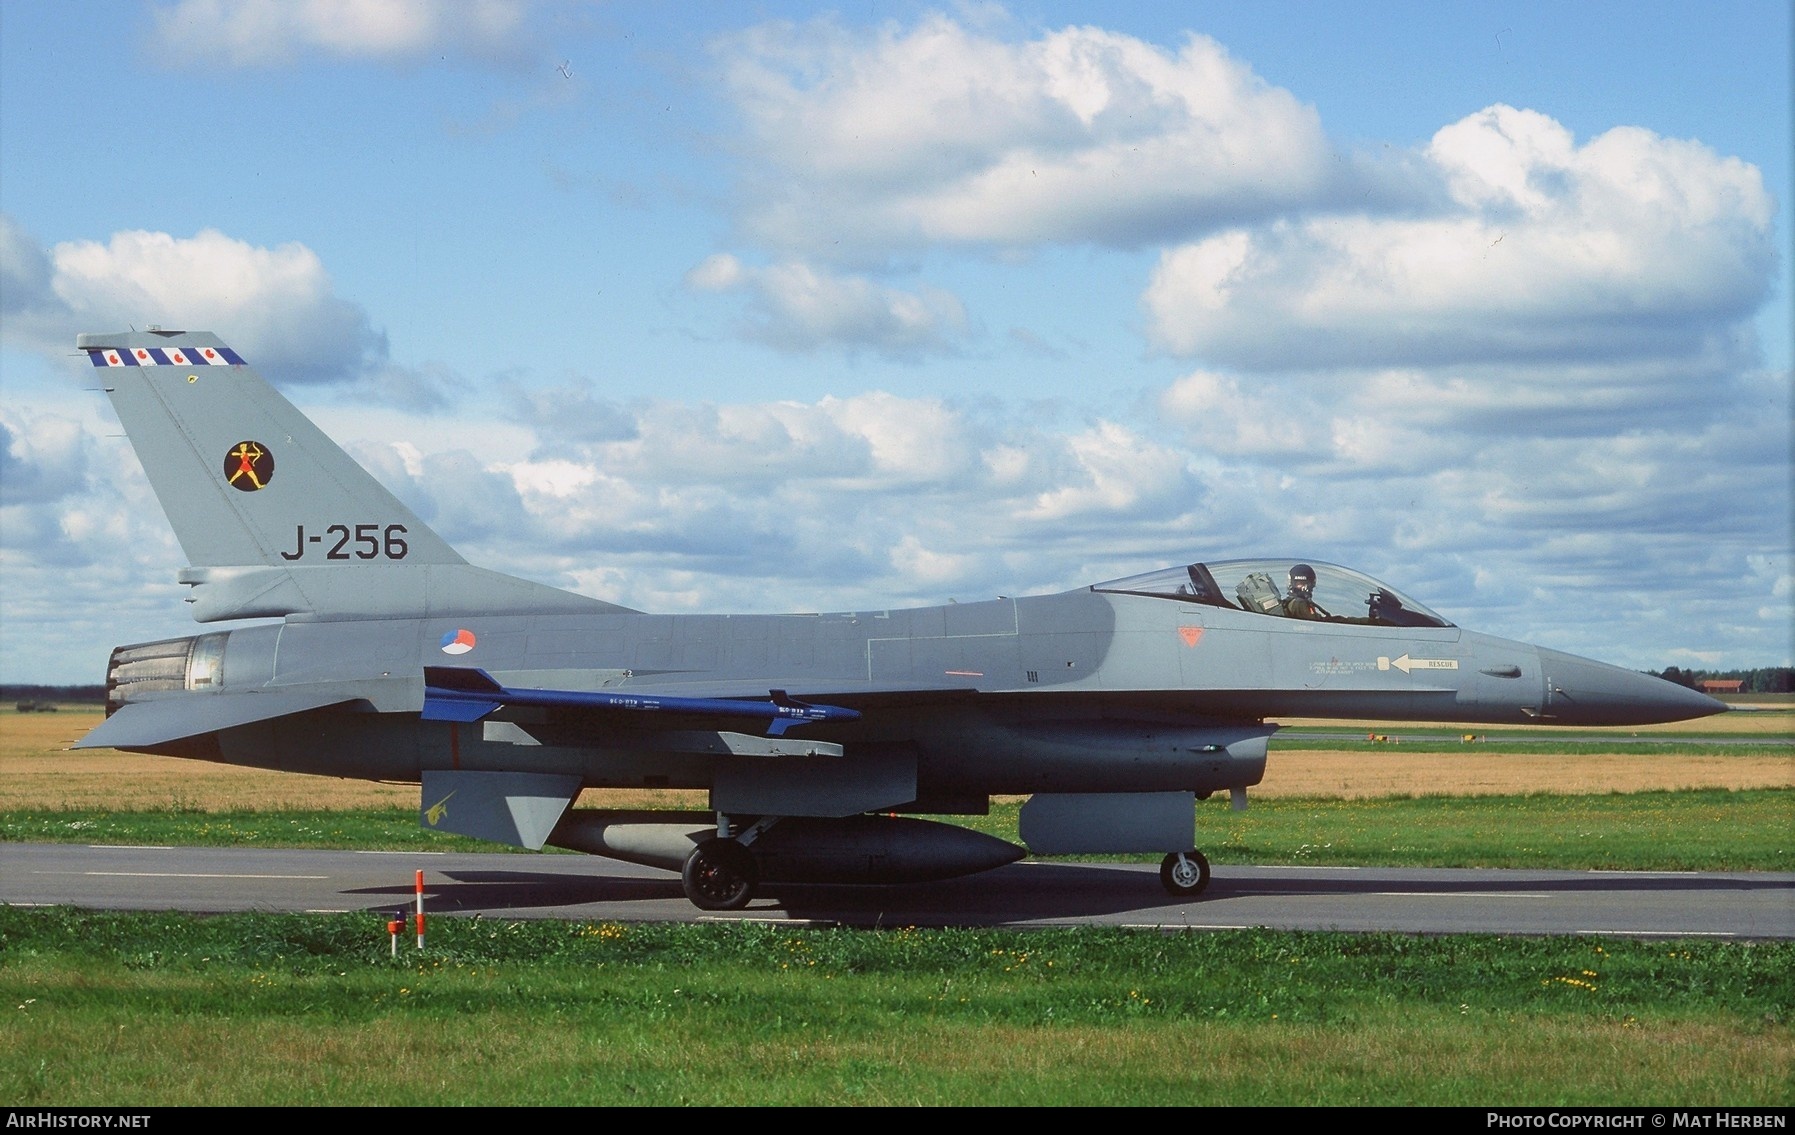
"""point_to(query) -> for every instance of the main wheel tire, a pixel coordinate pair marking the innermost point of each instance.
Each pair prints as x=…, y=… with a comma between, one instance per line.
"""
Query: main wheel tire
x=1184, y=873
x=719, y=875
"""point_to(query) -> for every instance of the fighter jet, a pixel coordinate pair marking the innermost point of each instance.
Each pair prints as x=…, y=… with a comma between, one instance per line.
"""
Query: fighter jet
x=820, y=738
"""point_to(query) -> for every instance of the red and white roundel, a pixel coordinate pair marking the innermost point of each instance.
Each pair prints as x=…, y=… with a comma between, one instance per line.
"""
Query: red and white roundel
x=458, y=641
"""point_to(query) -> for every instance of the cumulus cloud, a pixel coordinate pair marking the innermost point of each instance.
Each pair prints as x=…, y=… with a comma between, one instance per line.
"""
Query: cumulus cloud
x=1628, y=246
x=43, y=458
x=1229, y=419
x=84, y=550
x=1355, y=423
x=794, y=306
x=25, y=290
x=275, y=305
x=1112, y=472
x=860, y=146
x=573, y=414
x=270, y=33
x=874, y=442
x=838, y=503
x=1534, y=406
x=1577, y=503
x=863, y=142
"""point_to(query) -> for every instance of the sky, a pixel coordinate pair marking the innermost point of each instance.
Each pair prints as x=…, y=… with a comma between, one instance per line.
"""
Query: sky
x=770, y=307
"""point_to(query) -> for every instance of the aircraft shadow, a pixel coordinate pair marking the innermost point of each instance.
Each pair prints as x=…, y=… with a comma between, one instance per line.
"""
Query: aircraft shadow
x=1024, y=893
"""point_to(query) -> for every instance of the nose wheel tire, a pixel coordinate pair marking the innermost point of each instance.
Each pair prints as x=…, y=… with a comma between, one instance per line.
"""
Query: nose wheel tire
x=720, y=874
x=1184, y=873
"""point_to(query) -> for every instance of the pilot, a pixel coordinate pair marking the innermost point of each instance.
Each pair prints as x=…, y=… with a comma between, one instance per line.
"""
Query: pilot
x=1300, y=603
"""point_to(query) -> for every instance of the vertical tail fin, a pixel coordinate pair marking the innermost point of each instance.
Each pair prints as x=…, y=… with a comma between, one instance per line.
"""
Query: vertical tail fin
x=274, y=517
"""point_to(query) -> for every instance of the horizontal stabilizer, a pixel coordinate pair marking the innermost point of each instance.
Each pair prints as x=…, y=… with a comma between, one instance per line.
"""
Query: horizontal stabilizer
x=140, y=725
x=467, y=694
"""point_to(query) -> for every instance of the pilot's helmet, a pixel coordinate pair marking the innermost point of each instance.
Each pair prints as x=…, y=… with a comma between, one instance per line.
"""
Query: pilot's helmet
x=1302, y=579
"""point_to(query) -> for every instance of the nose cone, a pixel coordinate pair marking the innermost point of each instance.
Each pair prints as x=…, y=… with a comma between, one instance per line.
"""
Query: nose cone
x=1582, y=692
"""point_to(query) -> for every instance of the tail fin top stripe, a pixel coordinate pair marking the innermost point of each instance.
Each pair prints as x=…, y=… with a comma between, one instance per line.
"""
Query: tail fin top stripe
x=160, y=357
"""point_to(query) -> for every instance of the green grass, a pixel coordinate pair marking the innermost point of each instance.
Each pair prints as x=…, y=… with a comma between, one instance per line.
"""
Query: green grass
x=1709, y=830
x=389, y=829
x=167, y=1010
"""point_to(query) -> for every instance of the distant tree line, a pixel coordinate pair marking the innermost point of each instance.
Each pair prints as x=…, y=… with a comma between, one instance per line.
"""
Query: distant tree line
x=94, y=694
x=1764, y=680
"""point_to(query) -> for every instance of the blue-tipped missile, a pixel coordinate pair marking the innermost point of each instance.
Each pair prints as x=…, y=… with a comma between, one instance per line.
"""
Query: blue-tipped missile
x=467, y=694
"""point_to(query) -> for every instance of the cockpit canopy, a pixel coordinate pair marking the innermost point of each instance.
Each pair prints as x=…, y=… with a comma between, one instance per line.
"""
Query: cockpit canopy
x=1341, y=595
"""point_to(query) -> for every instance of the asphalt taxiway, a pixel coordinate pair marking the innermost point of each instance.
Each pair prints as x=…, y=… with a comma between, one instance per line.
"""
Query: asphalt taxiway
x=1743, y=905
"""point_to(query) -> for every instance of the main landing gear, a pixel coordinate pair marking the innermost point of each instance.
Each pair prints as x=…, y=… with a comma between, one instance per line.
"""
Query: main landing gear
x=720, y=874
x=1184, y=873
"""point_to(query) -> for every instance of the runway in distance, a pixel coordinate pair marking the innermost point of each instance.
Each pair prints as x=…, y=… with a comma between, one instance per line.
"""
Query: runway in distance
x=821, y=738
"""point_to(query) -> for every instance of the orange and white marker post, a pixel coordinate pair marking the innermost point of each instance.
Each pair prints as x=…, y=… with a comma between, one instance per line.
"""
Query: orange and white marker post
x=420, y=910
